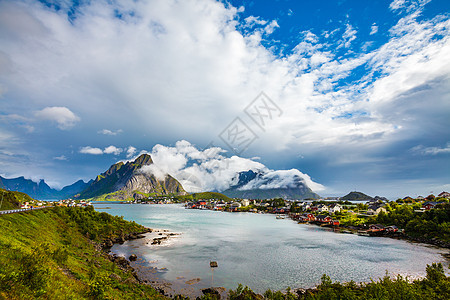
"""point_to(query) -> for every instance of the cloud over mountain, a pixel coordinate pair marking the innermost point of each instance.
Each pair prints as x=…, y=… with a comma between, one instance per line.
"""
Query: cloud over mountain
x=211, y=170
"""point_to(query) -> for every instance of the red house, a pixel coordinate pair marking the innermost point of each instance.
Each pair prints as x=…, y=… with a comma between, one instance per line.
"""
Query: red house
x=323, y=219
x=376, y=227
x=335, y=222
x=429, y=205
x=392, y=228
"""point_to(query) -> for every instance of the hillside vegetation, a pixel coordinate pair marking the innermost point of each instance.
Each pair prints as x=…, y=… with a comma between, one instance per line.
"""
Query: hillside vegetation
x=204, y=196
x=51, y=254
x=12, y=200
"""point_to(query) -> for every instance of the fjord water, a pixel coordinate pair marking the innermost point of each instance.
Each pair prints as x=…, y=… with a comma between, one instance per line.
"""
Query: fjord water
x=263, y=252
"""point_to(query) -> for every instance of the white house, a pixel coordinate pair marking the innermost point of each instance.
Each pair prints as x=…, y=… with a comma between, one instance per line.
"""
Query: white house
x=306, y=206
x=245, y=202
x=335, y=207
x=235, y=205
x=375, y=209
x=322, y=208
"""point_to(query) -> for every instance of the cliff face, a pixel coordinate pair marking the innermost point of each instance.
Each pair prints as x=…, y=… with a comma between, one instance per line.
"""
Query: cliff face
x=128, y=179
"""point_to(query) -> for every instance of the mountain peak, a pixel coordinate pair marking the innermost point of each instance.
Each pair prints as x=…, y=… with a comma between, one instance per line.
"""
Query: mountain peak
x=128, y=179
x=143, y=159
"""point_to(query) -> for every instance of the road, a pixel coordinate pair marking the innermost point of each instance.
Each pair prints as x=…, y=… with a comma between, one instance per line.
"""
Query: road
x=12, y=211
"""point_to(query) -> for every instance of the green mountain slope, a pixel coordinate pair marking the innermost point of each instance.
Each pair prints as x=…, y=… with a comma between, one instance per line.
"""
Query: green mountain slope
x=12, y=200
x=46, y=254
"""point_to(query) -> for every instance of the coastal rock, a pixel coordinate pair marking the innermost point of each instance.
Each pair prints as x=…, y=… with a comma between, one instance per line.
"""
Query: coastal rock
x=120, y=240
x=107, y=244
x=212, y=293
x=114, y=276
x=132, y=257
x=121, y=262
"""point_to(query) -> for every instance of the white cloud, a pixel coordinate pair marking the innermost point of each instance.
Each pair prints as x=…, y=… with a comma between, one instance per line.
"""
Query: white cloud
x=91, y=150
x=252, y=21
x=117, y=70
x=373, y=29
x=63, y=116
x=349, y=36
x=110, y=132
x=97, y=151
x=61, y=157
x=134, y=71
x=431, y=150
x=112, y=150
x=131, y=151
x=408, y=5
x=209, y=170
x=397, y=4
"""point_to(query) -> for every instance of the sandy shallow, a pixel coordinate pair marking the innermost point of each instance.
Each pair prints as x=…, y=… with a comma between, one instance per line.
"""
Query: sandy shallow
x=153, y=275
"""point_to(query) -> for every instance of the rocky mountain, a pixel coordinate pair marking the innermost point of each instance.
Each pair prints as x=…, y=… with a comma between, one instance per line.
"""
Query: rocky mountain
x=256, y=185
x=74, y=189
x=124, y=180
x=356, y=196
x=40, y=190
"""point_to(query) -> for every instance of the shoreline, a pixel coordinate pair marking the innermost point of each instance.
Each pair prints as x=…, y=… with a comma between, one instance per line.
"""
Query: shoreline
x=152, y=276
x=148, y=275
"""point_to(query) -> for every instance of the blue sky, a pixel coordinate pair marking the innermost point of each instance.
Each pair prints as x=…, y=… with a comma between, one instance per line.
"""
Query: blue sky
x=360, y=90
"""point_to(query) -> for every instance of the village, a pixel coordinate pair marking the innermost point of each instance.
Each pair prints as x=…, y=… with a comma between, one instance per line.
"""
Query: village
x=66, y=202
x=341, y=215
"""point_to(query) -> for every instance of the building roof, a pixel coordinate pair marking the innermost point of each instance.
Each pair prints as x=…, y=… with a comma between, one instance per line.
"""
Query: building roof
x=322, y=217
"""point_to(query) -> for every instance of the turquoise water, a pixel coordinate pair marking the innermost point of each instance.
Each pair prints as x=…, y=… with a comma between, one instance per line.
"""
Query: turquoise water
x=263, y=252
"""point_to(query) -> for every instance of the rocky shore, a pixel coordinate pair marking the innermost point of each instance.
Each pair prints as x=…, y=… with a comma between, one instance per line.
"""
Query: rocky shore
x=395, y=235
x=142, y=275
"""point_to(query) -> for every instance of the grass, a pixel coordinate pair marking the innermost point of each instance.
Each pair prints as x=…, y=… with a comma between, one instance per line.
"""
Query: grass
x=46, y=254
x=12, y=200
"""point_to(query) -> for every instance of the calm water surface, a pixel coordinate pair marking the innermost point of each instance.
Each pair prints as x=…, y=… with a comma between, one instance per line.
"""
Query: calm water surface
x=263, y=252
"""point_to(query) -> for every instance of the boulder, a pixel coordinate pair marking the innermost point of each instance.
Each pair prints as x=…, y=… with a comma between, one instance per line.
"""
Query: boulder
x=212, y=293
x=132, y=257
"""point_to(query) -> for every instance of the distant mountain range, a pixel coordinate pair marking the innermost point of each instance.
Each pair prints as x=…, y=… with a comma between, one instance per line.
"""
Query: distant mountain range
x=41, y=190
x=125, y=180
x=255, y=185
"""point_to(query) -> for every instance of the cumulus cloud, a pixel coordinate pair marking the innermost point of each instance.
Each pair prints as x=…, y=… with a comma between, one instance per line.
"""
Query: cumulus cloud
x=211, y=170
x=110, y=132
x=131, y=151
x=112, y=150
x=97, y=151
x=91, y=150
x=64, y=117
x=333, y=97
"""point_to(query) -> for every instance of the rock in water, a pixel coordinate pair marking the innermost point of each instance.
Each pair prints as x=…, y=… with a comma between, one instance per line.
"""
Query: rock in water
x=133, y=257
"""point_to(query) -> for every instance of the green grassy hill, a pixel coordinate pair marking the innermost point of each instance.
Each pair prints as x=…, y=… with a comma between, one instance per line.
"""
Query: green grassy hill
x=12, y=200
x=51, y=254
x=356, y=196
